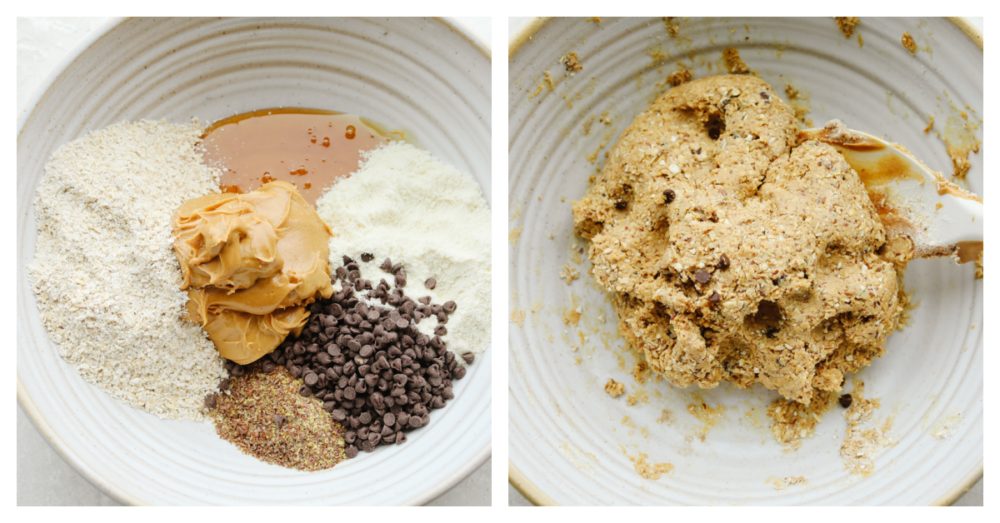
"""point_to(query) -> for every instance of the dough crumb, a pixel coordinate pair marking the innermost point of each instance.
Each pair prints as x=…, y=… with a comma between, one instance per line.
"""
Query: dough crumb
x=707, y=415
x=614, y=388
x=847, y=24
x=571, y=316
x=571, y=61
x=595, y=19
x=945, y=427
x=979, y=267
x=569, y=273
x=548, y=81
x=640, y=395
x=734, y=63
x=791, y=92
x=517, y=317
x=930, y=124
x=672, y=28
x=960, y=161
x=640, y=372
x=679, y=77
x=864, y=440
x=782, y=483
x=651, y=470
x=515, y=235
x=908, y=43
x=666, y=416
x=791, y=421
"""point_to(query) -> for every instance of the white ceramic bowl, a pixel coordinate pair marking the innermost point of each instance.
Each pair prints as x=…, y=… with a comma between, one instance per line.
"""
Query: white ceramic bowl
x=428, y=76
x=565, y=431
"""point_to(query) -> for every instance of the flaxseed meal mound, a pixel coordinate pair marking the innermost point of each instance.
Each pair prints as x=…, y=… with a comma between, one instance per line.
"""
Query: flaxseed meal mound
x=734, y=253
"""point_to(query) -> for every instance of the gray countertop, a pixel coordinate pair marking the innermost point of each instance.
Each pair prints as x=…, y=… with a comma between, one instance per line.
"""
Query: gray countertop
x=974, y=497
x=43, y=477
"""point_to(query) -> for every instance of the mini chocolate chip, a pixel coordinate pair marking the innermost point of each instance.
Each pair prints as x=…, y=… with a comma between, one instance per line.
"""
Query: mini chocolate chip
x=702, y=276
x=279, y=420
x=430, y=283
x=669, y=195
x=715, y=298
x=311, y=379
x=351, y=452
x=845, y=400
x=723, y=262
x=224, y=384
x=764, y=96
x=469, y=358
x=211, y=400
x=367, y=257
x=449, y=306
x=621, y=205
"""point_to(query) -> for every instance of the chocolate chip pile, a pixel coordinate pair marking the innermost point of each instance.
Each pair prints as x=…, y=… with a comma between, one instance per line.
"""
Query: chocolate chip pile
x=377, y=373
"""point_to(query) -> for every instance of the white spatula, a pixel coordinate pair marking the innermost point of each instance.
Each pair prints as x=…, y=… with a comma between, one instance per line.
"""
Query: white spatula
x=941, y=218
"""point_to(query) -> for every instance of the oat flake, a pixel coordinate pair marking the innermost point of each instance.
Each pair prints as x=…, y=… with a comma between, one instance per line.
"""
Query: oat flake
x=105, y=275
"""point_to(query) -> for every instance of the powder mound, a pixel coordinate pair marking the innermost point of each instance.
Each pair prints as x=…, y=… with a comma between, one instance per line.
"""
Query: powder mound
x=105, y=276
x=405, y=204
x=731, y=252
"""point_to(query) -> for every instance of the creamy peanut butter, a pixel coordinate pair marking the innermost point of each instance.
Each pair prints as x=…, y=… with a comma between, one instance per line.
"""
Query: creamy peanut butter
x=251, y=262
x=245, y=338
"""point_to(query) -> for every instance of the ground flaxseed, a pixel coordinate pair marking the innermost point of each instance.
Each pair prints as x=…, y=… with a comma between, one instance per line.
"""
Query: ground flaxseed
x=265, y=416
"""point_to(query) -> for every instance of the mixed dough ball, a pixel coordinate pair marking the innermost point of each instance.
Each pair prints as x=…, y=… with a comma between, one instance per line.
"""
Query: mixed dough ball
x=734, y=252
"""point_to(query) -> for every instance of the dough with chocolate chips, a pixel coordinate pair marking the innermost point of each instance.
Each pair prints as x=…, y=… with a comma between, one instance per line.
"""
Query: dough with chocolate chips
x=764, y=266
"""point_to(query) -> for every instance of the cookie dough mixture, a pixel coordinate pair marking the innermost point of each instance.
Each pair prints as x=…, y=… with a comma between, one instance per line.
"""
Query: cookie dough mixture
x=733, y=252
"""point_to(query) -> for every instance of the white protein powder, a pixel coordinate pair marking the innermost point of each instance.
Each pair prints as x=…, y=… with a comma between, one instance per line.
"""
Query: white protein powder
x=105, y=274
x=409, y=206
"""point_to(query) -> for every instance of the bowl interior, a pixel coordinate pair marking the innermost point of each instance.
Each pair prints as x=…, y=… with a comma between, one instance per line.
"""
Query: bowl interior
x=424, y=76
x=568, y=438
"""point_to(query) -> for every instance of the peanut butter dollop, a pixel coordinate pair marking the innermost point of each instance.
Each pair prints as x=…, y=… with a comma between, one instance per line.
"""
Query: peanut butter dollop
x=251, y=262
